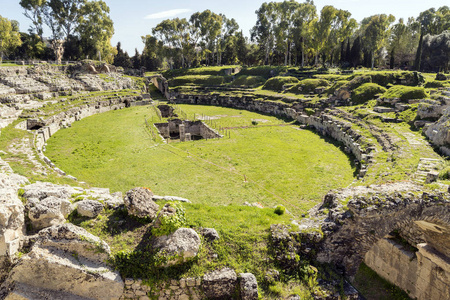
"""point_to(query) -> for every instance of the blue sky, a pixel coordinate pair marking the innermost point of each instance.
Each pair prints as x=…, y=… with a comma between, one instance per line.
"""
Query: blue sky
x=135, y=18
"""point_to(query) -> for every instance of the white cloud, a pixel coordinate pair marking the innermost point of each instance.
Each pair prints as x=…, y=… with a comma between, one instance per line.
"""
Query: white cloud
x=167, y=13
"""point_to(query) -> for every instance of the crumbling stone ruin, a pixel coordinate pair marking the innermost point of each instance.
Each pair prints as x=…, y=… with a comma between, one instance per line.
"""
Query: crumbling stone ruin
x=186, y=130
x=399, y=229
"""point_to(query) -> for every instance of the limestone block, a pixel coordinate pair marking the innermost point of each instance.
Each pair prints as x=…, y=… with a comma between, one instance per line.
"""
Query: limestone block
x=179, y=246
x=47, y=212
x=139, y=203
x=219, y=284
x=89, y=208
x=248, y=286
x=68, y=259
x=12, y=222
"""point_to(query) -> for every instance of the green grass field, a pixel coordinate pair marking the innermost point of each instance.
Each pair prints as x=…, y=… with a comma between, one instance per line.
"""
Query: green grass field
x=272, y=163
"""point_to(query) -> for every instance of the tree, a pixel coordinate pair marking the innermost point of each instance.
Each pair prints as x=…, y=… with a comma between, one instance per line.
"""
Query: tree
x=264, y=30
x=122, y=59
x=136, y=60
x=34, y=12
x=376, y=30
x=305, y=17
x=436, y=49
x=9, y=36
x=96, y=28
x=78, y=22
x=355, y=52
x=402, y=42
x=32, y=46
x=209, y=27
x=431, y=22
x=152, y=53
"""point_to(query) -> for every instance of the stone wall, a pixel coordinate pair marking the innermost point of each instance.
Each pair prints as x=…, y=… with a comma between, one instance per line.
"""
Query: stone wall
x=423, y=275
x=66, y=118
x=183, y=289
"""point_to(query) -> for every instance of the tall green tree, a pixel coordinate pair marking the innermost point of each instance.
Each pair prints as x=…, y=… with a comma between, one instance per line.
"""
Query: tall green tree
x=376, y=30
x=96, y=28
x=34, y=12
x=431, y=22
x=9, y=36
x=209, y=26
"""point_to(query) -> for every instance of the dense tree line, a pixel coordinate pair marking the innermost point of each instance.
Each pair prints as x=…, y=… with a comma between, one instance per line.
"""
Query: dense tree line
x=285, y=33
x=293, y=33
x=78, y=29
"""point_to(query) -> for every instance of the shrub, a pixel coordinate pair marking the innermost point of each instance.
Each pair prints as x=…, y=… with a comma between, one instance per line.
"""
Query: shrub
x=279, y=210
x=445, y=173
x=171, y=222
x=277, y=83
x=199, y=80
x=310, y=111
x=248, y=80
x=405, y=92
x=366, y=92
x=434, y=84
x=308, y=85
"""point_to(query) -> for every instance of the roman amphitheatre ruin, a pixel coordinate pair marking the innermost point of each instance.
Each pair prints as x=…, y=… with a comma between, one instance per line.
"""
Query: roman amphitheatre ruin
x=303, y=188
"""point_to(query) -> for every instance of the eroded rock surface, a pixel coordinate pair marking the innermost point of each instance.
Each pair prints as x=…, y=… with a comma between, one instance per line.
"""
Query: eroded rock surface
x=179, y=246
x=68, y=260
x=89, y=208
x=139, y=202
x=220, y=284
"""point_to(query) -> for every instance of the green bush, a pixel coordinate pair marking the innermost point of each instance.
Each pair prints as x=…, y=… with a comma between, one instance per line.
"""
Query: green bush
x=199, y=80
x=277, y=83
x=366, y=92
x=307, y=86
x=434, y=84
x=280, y=210
x=405, y=92
x=310, y=111
x=384, y=78
x=445, y=173
x=170, y=223
x=248, y=81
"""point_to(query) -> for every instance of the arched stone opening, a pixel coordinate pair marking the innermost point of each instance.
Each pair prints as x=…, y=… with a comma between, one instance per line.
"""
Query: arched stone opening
x=379, y=235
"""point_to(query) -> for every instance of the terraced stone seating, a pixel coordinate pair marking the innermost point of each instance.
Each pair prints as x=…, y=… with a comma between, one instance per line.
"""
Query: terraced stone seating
x=24, y=84
x=5, y=90
x=60, y=82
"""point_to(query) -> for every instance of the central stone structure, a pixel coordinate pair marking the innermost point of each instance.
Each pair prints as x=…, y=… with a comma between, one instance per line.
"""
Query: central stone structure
x=186, y=130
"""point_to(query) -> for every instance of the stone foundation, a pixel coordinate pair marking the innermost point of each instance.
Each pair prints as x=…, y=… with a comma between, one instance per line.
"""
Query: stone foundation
x=186, y=130
x=423, y=275
x=183, y=289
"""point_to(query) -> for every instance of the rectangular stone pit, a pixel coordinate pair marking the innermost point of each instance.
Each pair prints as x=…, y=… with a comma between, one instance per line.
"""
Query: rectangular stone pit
x=186, y=130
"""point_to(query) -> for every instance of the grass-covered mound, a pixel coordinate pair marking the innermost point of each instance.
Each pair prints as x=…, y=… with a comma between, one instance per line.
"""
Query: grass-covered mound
x=204, y=80
x=214, y=70
x=277, y=83
x=366, y=92
x=263, y=71
x=248, y=81
x=259, y=163
x=307, y=86
x=384, y=78
x=357, y=81
x=405, y=92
